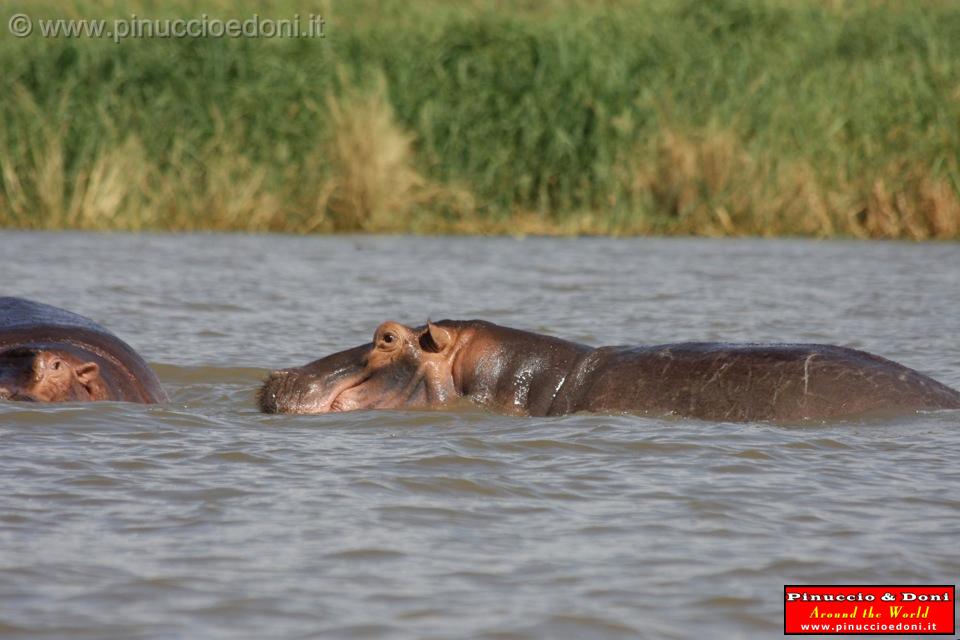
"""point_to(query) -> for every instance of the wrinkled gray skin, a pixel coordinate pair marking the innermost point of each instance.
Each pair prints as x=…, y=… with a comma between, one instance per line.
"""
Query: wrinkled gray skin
x=52, y=355
x=529, y=374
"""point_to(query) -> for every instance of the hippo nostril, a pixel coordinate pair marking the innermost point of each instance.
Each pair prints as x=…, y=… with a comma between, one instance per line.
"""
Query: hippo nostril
x=267, y=398
x=14, y=395
x=273, y=386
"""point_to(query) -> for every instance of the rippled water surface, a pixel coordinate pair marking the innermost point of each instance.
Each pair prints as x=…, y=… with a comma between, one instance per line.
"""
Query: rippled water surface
x=203, y=519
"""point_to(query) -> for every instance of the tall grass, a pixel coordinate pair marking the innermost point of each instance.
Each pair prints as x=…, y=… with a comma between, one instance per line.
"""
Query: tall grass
x=763, y=117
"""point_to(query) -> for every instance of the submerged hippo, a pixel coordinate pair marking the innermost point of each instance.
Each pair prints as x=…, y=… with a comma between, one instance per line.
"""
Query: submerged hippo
x=529, y=374
x=51, y=355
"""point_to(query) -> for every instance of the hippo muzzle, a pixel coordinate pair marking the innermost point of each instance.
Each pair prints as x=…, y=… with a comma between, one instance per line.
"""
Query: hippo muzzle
x=315, y=387
x=16, y=374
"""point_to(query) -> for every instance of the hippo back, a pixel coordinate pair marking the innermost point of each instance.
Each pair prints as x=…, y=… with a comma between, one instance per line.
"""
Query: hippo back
x=24, y=322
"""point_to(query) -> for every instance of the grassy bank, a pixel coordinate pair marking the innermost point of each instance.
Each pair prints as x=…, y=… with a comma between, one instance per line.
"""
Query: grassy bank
x=767, y=117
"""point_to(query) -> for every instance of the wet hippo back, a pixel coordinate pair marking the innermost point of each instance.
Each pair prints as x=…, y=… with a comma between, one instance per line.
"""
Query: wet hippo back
x=718, y=381
x=33, y=325
x=18, y=313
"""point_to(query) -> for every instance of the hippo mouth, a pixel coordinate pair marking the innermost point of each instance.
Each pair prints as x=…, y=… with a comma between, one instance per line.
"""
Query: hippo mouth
x=339, y=403
x=285, y=392
x=345, y=400
x=16, y=396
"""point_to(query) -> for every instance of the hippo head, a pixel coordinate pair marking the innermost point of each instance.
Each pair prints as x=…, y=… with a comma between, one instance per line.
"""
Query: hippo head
x=402, y=367
x=48, y=375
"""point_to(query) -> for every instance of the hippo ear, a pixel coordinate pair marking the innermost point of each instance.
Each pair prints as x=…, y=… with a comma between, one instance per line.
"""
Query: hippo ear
x=436, y=339
x=87, y=373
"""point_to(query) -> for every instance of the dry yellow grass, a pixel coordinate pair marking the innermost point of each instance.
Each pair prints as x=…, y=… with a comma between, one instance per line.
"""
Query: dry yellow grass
x=374, y=185
x=38, y=190
x=217, y=182
x=906, y=202
x=118, y=188
x=708, y=183
x=364, y=177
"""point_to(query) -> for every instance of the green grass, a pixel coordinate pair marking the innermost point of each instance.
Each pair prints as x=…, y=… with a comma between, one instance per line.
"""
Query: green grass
x=767, y=117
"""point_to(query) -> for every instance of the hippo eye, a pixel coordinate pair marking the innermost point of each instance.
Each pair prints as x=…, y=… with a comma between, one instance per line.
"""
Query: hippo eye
x=390, y=336
x=56, y=365
x=388, y=340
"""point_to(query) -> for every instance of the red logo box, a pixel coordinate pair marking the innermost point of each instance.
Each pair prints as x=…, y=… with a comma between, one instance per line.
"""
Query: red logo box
x=853, y=609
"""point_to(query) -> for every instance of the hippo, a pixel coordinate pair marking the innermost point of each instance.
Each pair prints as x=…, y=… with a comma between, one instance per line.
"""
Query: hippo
x=48, y=354
x=517, y=372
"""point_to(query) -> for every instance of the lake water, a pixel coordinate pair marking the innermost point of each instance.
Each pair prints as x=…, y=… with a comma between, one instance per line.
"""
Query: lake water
x=202, y=518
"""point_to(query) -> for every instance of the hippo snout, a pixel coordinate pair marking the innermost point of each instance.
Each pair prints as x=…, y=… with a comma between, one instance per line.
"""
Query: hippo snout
x=14, y=394
x=274, y=395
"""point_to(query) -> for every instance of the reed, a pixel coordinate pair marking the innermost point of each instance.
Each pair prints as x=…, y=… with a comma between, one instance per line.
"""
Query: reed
x=764, y=117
